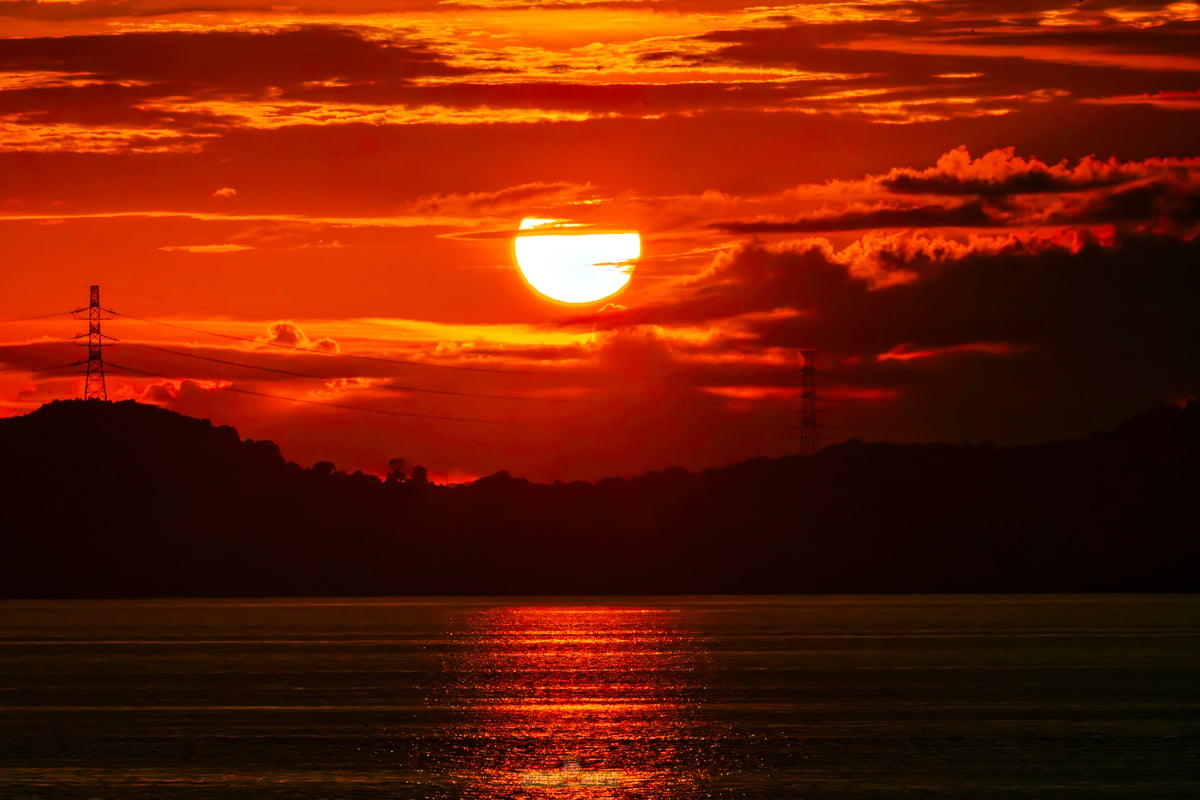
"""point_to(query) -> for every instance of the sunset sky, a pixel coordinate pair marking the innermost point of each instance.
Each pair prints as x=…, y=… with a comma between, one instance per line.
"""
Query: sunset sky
x=981, y=214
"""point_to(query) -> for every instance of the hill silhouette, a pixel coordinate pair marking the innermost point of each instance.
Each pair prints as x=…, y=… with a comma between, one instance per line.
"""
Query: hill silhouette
x=123, y=499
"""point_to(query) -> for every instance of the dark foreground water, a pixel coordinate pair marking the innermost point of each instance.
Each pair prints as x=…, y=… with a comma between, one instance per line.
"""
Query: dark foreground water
x=656, y=698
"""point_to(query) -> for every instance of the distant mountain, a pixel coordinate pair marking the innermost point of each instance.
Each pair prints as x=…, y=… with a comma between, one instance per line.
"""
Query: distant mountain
x=123, y=499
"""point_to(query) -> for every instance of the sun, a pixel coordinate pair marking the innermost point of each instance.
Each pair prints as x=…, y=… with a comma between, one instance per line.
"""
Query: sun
x=575, y=267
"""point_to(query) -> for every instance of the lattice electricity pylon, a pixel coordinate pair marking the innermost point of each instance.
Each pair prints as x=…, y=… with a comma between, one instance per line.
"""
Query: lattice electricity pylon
x=808, y=402
x=93, y=387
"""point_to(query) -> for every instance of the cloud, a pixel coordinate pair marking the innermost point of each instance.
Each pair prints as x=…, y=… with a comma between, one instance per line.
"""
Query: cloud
x=996, y=190
x=158, y=86
x=1179, y=101
x=39, y=354
x=225, y=192
x=812, y=276
x=895, y=55
x=849, y=64
x=520, y=199
x=905, y=352
x=1173, y=33
x=1001, y=172
x=1006, y=337
x=289, y=334
x=1170, y=206
x=971, y=214
x=204, y=248
x=1063, y=290
x=230, y=60
x=131, y=12
x=169, y=392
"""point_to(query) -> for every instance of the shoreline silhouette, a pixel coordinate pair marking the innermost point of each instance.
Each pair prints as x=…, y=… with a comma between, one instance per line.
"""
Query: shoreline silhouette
x=128, y=500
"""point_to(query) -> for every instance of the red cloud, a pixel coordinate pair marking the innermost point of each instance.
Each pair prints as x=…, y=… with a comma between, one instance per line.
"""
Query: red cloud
x=1002, y=172
x=289, y=334
x=904, y=352
x=1001, y=190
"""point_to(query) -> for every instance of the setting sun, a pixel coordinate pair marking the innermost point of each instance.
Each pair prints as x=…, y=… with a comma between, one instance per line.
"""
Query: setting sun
x=575, y=268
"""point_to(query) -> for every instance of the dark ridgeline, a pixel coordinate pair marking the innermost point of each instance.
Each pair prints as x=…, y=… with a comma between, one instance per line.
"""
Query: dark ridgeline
x=122, y=499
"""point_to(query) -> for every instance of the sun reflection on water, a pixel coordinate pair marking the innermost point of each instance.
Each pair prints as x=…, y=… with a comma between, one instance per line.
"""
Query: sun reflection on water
x=583, y=702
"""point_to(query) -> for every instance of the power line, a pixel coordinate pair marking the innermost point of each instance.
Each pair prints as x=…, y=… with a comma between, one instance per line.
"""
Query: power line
x=392, y=387
x=38, y=316
x=807, y=373
x=96, y=364
x=388, y=412
x=343, y=406
x=61, y=366
x=405, y=362
x=14, y=368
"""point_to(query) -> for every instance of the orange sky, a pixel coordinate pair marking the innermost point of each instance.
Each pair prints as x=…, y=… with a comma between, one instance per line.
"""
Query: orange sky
x=982, y=214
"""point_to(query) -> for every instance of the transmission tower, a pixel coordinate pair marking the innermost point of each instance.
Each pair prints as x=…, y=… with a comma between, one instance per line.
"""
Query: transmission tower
x=808, y=403
x=94, y=388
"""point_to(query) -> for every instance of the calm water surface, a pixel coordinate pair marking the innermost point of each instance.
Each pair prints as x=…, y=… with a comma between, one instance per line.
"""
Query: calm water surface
x=665, y=698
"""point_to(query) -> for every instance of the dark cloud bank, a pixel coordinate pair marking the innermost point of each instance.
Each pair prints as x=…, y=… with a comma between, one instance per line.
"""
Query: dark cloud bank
x=1083, y=332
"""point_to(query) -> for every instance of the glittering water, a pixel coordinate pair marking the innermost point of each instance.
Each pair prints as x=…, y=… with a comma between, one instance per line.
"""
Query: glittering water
x=665, y=698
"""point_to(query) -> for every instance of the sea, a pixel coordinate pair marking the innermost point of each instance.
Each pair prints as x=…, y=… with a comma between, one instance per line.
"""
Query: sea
x=655, y=698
